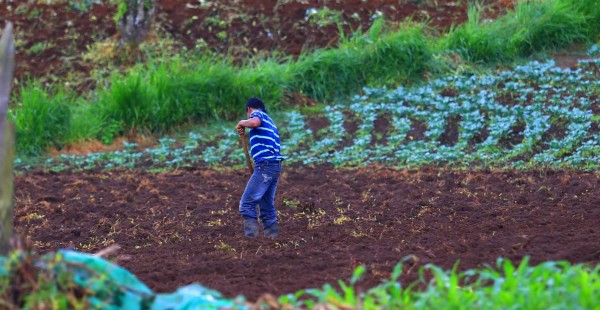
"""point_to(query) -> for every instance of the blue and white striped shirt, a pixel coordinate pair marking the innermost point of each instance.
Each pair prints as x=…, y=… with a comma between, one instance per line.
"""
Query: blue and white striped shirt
x=264, y=139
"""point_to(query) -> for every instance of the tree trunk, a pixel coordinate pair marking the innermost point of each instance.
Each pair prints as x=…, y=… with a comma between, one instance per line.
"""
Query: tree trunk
x=7, y=148
x=135, y=21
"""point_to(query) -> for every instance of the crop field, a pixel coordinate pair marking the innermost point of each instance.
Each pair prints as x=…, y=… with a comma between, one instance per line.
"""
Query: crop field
x=535, y=116
x=335, y=219
x=452, y=177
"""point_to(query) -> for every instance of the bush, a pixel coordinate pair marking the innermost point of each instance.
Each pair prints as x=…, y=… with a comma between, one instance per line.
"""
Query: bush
x=129, y=101
x=477, y=41
x=373, y=59
x=87, y=122
x=543, y=25
x=396, y=58
x=42, y=118
x=157, y=98
x=533, y=26
x=590, y=11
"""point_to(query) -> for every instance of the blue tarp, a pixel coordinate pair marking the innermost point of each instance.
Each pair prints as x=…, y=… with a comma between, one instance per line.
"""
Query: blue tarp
x=113, y=287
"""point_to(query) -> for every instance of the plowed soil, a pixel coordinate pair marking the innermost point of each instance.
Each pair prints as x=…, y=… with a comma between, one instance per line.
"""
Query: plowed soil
x=183, y=227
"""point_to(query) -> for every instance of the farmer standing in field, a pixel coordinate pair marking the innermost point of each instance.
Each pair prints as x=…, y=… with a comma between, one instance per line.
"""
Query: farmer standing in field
x=261, y=188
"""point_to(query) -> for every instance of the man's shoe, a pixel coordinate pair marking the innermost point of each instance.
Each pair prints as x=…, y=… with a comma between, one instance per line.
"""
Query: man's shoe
x=250, y=227
x=272, y=232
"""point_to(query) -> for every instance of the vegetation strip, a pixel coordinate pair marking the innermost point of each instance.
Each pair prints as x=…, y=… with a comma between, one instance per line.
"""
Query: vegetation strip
x=169, y=92
x=101, y=285
x=536, y=115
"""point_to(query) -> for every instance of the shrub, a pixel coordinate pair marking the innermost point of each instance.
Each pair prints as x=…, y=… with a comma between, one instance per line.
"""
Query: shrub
x=543, y=25
x=532, y=27
x=157, y=98
x=477, y=41
x=87, y=122
x=373, y=59
x=42, y=118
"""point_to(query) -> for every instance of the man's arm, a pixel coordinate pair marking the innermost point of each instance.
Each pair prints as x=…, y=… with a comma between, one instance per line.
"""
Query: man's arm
x=252, y=122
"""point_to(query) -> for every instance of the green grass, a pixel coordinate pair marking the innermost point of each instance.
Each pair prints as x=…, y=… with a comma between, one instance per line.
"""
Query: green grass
x=86, y=124
x=590, y=10
x=476, y=41
x=42, y=118
x=169, y=92
x=158, y=98
x=372, y=59
x=549, y=285
x=533, y=26
x=543, y=25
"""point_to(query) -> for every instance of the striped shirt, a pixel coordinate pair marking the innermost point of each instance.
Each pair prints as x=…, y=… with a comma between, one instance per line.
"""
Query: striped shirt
x=264, y=139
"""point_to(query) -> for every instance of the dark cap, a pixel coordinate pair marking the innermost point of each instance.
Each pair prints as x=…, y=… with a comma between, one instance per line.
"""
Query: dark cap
x=256, y=103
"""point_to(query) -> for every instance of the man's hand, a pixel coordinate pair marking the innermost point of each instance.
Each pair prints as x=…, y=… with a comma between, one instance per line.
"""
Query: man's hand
x=250, y=123
x=240, y=129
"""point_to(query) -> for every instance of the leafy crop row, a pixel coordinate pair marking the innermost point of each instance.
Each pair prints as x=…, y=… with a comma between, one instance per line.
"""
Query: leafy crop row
x=535, y=115
x=550, y=285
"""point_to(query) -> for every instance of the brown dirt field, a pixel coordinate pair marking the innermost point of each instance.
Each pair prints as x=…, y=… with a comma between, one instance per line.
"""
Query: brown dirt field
x=240, y=28
x=183, y=227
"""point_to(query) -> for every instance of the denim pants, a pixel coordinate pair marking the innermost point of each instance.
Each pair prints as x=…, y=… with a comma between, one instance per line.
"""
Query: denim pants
x=261, y=190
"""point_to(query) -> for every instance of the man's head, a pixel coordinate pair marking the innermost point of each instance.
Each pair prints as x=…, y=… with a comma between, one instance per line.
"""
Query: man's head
x=255, y=103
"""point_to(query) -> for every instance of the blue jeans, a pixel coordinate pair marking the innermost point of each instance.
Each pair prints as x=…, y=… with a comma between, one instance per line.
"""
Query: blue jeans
x=261, y=190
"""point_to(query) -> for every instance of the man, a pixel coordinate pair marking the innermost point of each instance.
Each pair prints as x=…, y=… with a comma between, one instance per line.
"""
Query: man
x=261, y=188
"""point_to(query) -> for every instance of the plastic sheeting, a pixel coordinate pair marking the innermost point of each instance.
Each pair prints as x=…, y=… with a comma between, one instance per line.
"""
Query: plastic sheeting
x=113, y=287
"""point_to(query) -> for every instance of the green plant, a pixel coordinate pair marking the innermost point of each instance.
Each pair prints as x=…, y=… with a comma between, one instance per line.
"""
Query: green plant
x=156, y=98
x=531, y=27
x=557, y=285
x=222, y=246
x=129, y=102
x=214, y=21
x=39, y=47
x=538, y=25
x=291, y=203
x=86, y=122
x=121, y=10
x=396, y=58
x=475, y=40
x=42, y=118
x=168, y=91
x=83, y=5
x=590, y=11
x=110, y=130
x=37, y=287
x=35, y=13
x=390, y=59
x=222, y=35
x=324, y=17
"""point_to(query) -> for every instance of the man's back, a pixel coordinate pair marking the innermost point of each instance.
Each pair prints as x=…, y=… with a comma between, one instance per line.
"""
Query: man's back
x=264, y=139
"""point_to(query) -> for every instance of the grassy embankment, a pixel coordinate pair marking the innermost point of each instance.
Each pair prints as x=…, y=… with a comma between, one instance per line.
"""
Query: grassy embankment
x=164, y=93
